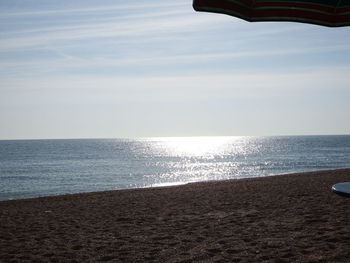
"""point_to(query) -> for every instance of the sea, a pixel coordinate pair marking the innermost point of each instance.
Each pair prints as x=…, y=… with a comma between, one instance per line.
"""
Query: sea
x=33, y=168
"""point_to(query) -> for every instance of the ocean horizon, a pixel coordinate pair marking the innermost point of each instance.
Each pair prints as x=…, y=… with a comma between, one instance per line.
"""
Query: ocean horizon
x=44, y=167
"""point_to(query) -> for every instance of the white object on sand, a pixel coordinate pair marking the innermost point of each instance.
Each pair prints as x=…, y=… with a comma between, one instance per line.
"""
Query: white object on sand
x=342, y=189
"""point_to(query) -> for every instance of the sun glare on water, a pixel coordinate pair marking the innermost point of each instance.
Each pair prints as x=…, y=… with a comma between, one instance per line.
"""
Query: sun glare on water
x=193, y=159
x=195, y=146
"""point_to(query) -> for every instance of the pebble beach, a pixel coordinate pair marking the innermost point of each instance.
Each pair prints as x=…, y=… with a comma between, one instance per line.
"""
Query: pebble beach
x=284, y=218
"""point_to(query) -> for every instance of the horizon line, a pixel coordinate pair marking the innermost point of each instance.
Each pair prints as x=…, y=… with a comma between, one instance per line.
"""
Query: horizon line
x=169, y=137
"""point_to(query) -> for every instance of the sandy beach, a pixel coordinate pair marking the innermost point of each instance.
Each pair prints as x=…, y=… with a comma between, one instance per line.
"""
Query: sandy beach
x=287, y=218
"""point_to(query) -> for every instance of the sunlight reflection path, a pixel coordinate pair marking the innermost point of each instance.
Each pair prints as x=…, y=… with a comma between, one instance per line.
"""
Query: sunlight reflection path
x=191, y=159
x=196, y=146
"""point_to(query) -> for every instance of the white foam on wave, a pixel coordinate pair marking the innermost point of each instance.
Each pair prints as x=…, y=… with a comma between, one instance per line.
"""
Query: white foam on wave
x=168, y=184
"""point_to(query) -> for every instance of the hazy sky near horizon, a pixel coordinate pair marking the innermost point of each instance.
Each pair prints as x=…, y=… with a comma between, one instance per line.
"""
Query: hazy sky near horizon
x=96, y=69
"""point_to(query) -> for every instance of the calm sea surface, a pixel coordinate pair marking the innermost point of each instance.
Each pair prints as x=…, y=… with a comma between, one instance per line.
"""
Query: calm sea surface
x=31, y=168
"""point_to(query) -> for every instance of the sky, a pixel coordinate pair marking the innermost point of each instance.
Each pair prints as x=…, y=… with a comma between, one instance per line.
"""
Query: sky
x=124, y=69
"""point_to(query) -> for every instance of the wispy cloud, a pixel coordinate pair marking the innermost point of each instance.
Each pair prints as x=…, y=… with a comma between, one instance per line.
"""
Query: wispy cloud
x=64, y=61
x=127, y=28
x=94, y=9
x=169, y=88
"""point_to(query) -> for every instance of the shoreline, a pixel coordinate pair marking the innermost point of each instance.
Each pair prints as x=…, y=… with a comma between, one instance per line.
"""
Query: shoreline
x=279, y=218
x=177, y=184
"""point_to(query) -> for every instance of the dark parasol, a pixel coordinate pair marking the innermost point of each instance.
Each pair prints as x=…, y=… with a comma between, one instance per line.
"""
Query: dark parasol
x=331, y=13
